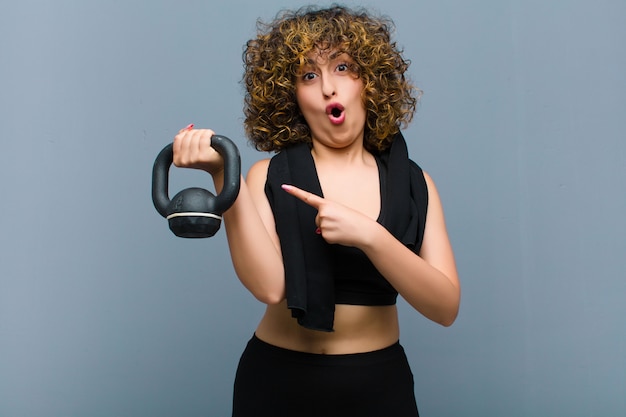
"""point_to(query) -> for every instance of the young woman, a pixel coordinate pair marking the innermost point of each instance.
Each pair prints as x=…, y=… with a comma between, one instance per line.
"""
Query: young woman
x=336, y=224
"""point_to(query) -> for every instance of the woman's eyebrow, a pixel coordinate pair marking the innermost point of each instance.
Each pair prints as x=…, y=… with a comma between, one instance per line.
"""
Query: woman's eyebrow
x=312, y=62
x=309, y=62
x=335, y=54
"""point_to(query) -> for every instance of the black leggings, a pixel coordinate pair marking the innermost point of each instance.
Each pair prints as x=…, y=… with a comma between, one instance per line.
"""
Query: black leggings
x=276, y=382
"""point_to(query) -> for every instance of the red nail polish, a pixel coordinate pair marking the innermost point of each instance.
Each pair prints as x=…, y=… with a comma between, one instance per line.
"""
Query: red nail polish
x=318, y=231
x=189, y=127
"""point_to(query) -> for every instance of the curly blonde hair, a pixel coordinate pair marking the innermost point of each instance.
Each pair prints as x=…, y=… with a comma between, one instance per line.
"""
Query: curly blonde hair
x=273, y=60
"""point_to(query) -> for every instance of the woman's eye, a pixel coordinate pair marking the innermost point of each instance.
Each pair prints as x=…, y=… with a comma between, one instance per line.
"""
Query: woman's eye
x=308, y=76
x=342, y=67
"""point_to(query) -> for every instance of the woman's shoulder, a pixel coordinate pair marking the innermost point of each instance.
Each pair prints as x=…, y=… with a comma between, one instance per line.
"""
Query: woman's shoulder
x=258, y=170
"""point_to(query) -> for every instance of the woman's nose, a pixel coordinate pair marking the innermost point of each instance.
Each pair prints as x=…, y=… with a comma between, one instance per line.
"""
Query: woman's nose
x=328, y=88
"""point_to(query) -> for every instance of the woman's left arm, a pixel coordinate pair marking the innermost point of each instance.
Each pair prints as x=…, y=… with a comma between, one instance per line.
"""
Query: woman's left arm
x=428, y=281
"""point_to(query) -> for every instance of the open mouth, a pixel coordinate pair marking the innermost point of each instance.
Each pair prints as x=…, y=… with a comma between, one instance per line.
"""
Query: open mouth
x=335, y=113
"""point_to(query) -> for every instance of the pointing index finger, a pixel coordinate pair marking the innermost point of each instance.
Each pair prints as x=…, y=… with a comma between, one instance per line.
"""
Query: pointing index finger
x=309, y=198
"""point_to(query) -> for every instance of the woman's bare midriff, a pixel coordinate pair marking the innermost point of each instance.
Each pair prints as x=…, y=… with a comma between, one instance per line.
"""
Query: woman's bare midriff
x=356, y=329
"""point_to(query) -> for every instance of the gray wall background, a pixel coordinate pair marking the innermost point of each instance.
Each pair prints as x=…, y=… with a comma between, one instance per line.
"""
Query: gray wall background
x=104, y=312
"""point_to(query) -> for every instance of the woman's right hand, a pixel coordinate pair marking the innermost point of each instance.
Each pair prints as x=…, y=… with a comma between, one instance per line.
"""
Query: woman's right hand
x=192, y=149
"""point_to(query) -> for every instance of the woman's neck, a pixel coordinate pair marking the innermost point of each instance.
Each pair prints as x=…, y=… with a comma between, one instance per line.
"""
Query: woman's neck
x=352, y=155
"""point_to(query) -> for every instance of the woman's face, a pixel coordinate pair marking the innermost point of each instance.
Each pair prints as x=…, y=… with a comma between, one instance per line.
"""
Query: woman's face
x=329, y=94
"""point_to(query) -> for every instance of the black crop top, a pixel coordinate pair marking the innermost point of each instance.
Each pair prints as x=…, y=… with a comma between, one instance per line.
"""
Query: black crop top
x=357, y=281
x=319, y=275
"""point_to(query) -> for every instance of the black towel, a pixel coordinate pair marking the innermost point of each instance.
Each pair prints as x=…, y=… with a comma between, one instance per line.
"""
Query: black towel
x=308, y=273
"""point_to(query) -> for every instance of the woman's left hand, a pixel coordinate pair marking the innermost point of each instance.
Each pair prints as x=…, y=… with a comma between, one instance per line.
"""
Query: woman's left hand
x=335, y=222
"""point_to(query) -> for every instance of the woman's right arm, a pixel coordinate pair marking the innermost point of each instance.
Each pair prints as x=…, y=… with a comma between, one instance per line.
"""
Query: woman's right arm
x=254, y=245
x=249, y=222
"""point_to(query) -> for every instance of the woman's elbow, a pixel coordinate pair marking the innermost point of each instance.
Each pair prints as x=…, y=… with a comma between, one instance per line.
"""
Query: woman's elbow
x=448, y=320
x=449, y=316
x=270, y=297
x=445, y=313
x=269, y=300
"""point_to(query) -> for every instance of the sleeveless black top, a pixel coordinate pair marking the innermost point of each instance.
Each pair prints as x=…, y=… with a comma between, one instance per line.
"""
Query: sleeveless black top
x=357, y=281
x=319, y=275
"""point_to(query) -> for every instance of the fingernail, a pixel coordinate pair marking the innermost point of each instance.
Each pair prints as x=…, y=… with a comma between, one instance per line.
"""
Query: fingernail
x=285, y=187
x=318, y=231
x=189, y=127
